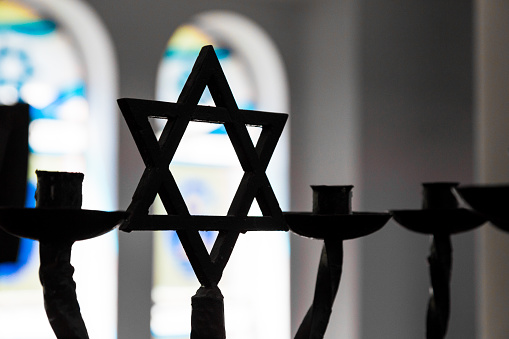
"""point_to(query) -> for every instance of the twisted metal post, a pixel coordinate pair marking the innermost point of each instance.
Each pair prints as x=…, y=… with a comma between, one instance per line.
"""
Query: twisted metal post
x=59, y=289
x=440, y=266
x=315, y=322
x=333, y=221
x=326, y=200
x=60, y=190
x=439, y=196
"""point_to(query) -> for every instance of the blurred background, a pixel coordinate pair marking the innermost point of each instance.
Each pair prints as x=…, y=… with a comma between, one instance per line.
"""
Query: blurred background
x=383, y=95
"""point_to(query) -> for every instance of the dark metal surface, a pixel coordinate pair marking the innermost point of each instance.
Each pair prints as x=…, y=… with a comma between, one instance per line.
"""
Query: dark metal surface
x=207, y=320
x=58, y=216
x=54, y=225
x=341, y=226
x=332, y=200
x=207, y=223
x=437, y=221
x=315, y=322
x=59, y=189
x=60, y=300
x=440, y=268
x=492, y=201
x=157, y=179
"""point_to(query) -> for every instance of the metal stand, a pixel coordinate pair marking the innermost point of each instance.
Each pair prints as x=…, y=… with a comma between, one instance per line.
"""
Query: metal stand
x=440, y=217
x=333, y=221
x=57, y=222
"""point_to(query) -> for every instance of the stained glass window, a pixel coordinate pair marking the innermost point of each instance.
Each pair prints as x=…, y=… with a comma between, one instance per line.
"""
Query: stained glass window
x=39, y=65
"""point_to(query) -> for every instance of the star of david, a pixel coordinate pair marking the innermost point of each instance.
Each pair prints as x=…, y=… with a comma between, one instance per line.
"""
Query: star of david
x=157, y=178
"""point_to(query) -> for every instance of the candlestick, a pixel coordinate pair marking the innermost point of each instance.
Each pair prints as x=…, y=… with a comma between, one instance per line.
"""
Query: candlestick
x=333, y=221
x=57, y=222
x=60, y=190
x=440, y=217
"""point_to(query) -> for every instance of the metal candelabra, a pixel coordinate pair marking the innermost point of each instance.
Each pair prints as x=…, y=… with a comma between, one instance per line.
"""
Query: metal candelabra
x=331, y=220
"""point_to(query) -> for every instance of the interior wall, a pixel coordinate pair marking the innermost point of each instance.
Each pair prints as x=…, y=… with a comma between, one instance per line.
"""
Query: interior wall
x=417, y=126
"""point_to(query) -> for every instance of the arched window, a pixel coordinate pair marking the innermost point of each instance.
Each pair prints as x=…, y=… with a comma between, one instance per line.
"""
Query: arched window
x=208, y=172
x=46, y=61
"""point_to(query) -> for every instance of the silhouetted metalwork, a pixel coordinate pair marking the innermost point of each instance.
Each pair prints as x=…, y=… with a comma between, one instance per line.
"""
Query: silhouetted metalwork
x=490, y=201
x=207, y=317
x=439, y=217
x=13, y=169
x=57, y=222
x=333, y=221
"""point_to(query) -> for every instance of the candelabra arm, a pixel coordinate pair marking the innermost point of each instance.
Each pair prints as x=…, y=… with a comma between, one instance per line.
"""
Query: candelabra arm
x=315, y=322
x=440, y=265
x=59, y=290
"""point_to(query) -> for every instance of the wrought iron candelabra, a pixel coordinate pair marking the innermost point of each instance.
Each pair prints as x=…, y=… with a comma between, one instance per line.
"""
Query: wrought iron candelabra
x=331, y=220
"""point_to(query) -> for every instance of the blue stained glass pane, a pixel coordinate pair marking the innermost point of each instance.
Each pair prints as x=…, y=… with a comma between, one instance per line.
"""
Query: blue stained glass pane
x=35, y=28
x=177, y=53
x=20, y=57
x=177, y=251
x=30, y=198
x=25, y=248
x=50, y=111
x=219, y=130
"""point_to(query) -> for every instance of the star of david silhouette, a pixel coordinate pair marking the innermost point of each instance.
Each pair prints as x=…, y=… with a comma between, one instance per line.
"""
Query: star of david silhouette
x=158, y=179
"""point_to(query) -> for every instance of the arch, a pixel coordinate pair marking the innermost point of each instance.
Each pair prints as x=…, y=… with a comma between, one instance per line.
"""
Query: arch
x=266, y=63
x=96, y=49
x=91, y=42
